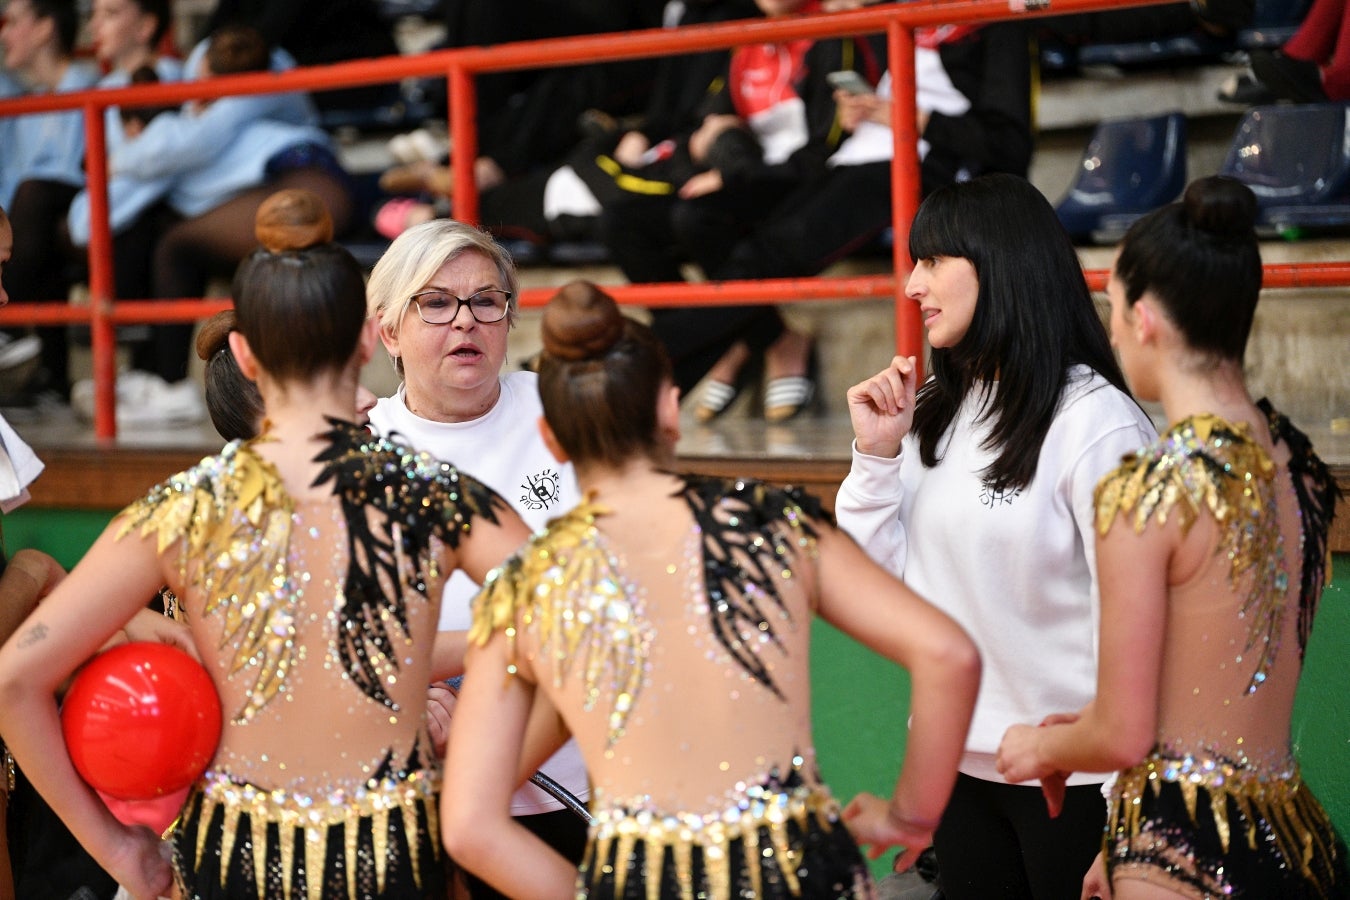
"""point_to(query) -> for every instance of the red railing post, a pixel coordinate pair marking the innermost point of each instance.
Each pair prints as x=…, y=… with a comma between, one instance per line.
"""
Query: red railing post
x=905, y=183
x=102, y=333
x=463, y=142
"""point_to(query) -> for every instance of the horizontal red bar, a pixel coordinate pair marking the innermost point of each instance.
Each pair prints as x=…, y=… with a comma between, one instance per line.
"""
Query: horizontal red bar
x=1277, y=276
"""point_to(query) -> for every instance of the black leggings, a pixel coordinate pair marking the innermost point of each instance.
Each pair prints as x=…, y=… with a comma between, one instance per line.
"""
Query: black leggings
x=650, y=236
x=37, y=271
x=997, y=842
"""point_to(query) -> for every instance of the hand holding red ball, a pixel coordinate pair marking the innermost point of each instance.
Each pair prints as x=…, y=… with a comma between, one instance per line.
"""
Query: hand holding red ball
x=141, y=722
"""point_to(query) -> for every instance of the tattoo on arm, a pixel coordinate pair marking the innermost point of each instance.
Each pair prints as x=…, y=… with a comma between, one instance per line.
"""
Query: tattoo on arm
x=34, y=635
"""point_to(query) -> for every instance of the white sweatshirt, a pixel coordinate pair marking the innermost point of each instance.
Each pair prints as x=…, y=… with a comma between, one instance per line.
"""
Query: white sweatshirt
x=1017, y=571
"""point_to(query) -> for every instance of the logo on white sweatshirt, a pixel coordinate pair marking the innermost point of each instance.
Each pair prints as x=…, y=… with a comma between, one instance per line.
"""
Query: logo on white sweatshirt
x=540, y=491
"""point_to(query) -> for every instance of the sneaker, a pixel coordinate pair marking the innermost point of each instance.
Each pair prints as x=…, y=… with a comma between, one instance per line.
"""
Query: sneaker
x=1245, y=90
x=16, y=351
x=418, y=146
x=145, y=399
x=1288, y=78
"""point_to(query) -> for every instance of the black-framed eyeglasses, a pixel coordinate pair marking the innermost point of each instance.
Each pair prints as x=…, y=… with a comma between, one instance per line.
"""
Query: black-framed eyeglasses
x=440, y=308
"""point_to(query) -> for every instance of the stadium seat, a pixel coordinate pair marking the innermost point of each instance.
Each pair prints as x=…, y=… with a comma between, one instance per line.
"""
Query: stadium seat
x=1130, y=166
x=1198, y=45
x=1273, y=23
x=1296, y=159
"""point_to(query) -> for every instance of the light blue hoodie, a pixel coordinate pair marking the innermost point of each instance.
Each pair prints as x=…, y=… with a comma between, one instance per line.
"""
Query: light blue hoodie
x=234, y=168
x=47, y=146
x=172, y=145
x=196, y=161
x=166, y=68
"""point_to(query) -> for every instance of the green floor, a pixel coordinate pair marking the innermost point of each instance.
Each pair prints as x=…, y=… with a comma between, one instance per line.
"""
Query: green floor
x=861, y=701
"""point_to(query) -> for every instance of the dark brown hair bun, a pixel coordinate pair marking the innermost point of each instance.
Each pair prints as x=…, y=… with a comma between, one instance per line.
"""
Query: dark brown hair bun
x=292, y=219
x=214, y=335
x=581, y=322
x=1222, y=206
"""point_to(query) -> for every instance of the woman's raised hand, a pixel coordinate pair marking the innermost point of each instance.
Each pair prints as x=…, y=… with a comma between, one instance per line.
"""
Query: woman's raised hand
x=882, y=408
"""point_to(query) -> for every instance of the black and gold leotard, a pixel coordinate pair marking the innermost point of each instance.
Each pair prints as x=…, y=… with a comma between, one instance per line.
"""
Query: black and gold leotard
x=683, y=672
x=315, y=618
x=1219, y=809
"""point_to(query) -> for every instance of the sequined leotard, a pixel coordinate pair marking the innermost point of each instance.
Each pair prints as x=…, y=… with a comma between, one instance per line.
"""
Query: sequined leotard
x=683, y=673
x=1218, y=809
x=315, y=618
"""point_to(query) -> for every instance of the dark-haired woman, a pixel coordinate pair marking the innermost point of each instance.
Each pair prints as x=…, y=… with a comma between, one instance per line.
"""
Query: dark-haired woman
x=1212, y=548
x=308, y=563
x=232, y=400
x=667, y=621
x=977, y=488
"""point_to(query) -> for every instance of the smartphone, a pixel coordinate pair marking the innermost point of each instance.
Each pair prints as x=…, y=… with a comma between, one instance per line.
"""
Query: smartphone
x=850, y=81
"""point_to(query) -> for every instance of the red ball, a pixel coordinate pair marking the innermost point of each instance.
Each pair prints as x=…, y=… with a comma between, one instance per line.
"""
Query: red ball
x=141, y=720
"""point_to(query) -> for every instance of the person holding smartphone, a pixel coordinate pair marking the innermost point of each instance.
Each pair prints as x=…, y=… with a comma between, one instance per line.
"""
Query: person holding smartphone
x=850, y=82
x=974, y=117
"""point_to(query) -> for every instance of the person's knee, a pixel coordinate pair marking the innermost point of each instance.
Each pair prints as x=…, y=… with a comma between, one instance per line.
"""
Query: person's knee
x=615, y=222
x=692, y=221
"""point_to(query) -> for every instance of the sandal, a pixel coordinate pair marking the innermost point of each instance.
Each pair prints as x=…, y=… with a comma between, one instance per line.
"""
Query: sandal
x=715, y=400
x=785, y=397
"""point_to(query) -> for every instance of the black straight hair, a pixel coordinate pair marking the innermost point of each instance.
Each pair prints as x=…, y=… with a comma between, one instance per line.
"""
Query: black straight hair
x=1201, y=258
x=65, y=15
x=162, y=10
x=1034, y=320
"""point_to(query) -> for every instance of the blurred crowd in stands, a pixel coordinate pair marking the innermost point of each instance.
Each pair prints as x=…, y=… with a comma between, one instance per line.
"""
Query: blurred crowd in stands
x=748, y=163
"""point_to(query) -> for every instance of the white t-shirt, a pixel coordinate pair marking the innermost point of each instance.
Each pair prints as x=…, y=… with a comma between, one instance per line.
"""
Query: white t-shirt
x=1017, y=571
x=503, y=450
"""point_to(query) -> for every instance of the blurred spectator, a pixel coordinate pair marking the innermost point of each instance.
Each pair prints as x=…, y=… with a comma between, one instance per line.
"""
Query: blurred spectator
x=315, y=32
x=559, y=202
x=41, y=169
x=126, y=37
x=212, y=171
x=1218, y=18
x=764, y=132
x=132, y=120
x=1313, y=65
x=531, y=118
x=973, y=93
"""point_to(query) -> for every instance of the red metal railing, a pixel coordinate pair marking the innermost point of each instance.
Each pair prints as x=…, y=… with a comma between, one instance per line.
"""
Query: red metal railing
x=460, y=66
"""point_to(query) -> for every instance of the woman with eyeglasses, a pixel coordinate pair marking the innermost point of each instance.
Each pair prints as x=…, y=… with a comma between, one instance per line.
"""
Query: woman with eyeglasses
x=445, y=297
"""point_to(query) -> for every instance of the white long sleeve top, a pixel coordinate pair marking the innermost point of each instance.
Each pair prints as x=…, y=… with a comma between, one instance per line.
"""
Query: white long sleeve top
x=1017, y=570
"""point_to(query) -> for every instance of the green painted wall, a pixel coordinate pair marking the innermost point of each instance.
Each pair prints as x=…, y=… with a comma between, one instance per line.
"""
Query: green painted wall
x=861, y=704
x=862, y=701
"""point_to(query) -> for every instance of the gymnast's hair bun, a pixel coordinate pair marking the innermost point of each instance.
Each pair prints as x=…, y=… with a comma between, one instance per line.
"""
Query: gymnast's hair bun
x=214, y=335
x=581, y=322
x=1222, y=206
x=292, y=219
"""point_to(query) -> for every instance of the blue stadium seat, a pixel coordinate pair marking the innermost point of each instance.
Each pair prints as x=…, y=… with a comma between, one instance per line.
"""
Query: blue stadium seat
x=1296, y=159
x=1198, y=45
x=1130, y=167
x=1273, y=23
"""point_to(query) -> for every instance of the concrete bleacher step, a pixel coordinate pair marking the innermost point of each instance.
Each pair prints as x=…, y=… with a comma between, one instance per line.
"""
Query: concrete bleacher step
x=1299, y=335
x=1296, y=354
